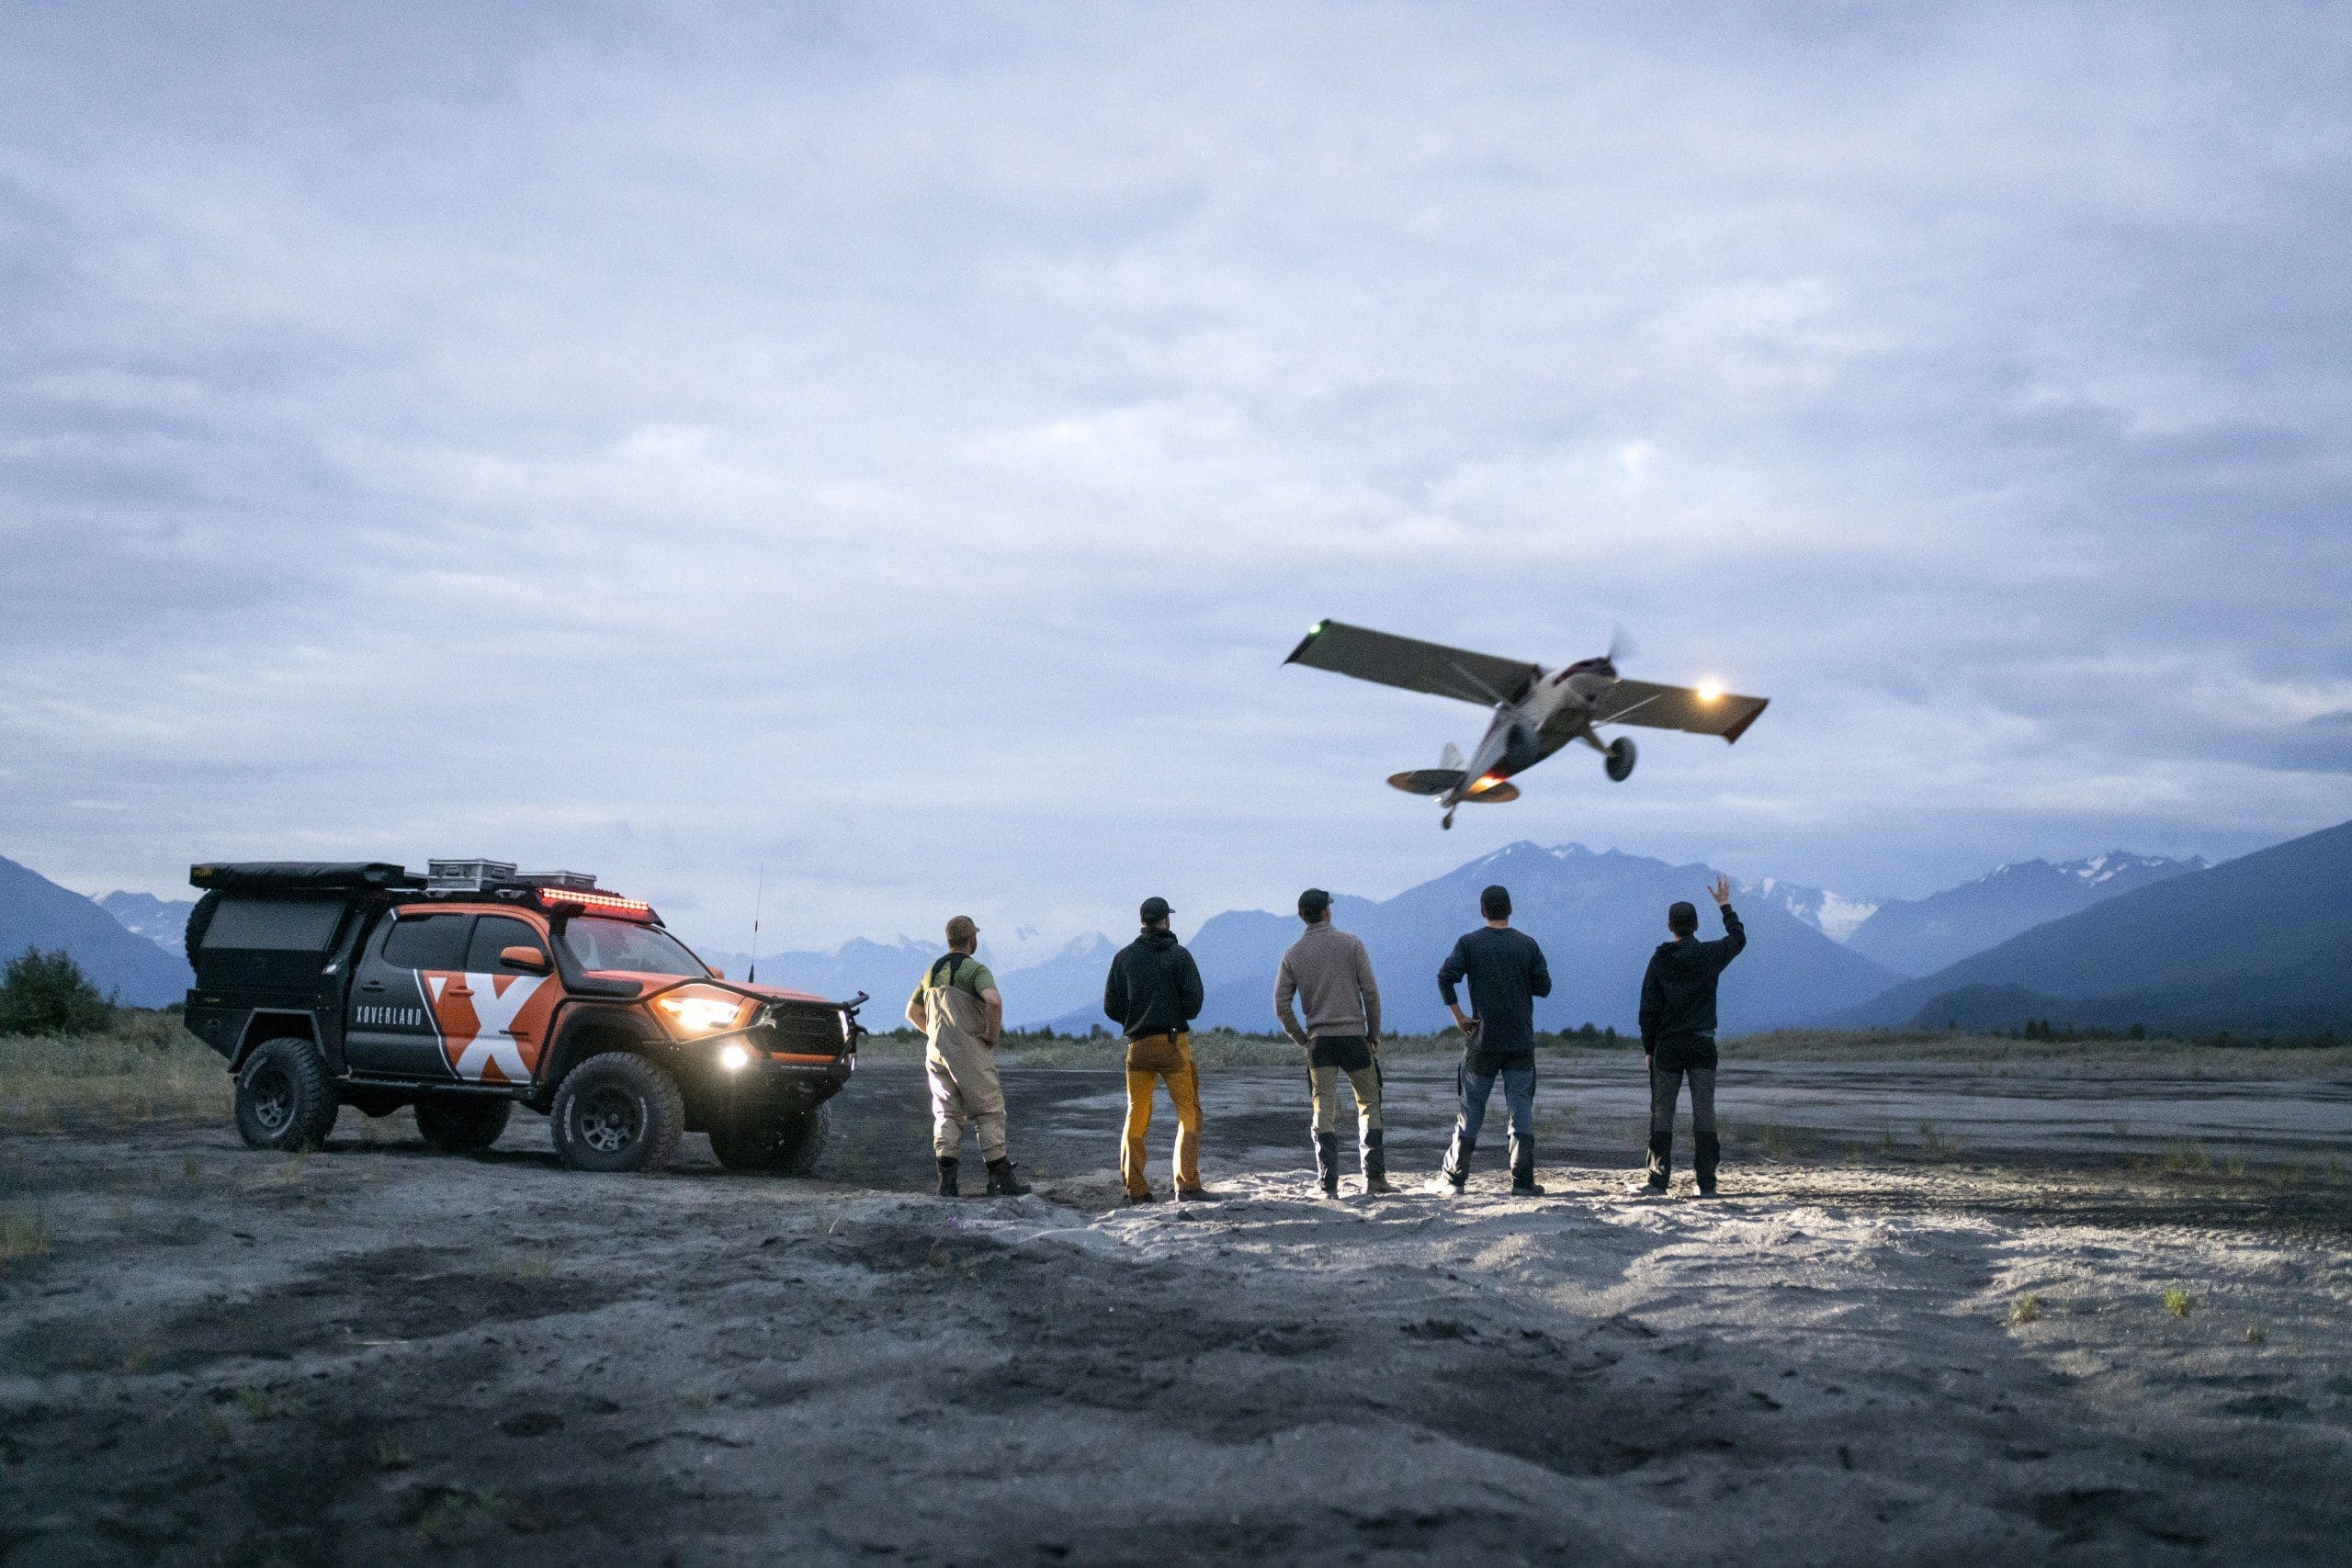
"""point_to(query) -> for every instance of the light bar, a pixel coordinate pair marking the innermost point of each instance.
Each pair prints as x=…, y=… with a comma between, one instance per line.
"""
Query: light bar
x=550, y=897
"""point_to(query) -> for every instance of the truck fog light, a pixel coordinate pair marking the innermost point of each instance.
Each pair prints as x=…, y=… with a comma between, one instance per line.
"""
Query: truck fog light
x=733, y=1058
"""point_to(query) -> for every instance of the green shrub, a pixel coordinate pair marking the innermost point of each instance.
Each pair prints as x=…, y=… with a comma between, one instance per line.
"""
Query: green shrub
x=46, y=993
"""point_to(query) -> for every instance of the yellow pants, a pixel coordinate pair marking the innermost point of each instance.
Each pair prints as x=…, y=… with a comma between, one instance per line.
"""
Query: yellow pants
x=1153, y=1060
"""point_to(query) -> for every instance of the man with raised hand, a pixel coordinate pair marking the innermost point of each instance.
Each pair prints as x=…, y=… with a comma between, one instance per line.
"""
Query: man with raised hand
x=1153, y=993
x=961, y=1014
x=1507, y=973
x=1328, y=973
x=1678, y=1034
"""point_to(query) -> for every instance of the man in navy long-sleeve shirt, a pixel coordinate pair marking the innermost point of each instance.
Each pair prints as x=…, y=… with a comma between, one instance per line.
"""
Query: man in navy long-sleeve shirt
x=1507, y=973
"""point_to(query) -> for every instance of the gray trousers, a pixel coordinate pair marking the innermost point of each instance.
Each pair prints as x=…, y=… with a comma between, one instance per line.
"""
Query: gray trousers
x=1666, y=1089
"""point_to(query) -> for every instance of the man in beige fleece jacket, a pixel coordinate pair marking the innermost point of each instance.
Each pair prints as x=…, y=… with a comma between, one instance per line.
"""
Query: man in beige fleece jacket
x=1328, y=973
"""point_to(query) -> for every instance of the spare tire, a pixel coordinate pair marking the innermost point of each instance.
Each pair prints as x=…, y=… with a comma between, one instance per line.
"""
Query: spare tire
x=198, y=919
x=284, y=1097
x=462, y=1125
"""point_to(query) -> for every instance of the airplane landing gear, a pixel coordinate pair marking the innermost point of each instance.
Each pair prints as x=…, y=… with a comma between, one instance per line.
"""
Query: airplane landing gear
x=1619, y=763
x=1446, y=821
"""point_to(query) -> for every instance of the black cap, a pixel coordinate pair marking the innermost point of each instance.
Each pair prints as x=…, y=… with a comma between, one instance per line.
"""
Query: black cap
x=1312, y=903
x=1156, y=909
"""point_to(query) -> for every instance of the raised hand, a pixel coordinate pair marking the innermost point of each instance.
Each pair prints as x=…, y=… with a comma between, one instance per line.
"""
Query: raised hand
x=1721, y=892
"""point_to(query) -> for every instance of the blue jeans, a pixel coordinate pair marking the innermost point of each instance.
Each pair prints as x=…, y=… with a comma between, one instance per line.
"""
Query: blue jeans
x=1519, y=1094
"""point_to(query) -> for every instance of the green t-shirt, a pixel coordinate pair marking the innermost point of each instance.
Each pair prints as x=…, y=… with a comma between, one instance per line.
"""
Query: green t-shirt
x=970, y=976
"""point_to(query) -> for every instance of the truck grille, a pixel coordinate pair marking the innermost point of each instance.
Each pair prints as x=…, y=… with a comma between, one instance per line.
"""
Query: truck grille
x=804, y=1029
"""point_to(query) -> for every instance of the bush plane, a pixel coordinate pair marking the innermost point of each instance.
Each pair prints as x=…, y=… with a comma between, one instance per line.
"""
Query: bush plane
x=1536, y=710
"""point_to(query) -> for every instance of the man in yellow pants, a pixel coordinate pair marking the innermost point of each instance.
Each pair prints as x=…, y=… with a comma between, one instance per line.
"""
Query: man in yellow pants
x=961, y=1013
x=1153, y=994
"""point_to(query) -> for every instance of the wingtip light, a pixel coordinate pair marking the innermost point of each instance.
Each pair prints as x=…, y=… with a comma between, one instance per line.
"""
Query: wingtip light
x=1710, y=690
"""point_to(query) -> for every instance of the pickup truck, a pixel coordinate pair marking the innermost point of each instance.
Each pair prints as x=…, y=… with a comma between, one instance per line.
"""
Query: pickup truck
x=472, y=990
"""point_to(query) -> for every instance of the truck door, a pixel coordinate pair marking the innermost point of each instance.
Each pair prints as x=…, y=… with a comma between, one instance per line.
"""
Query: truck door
x=507, y=1004
x=392, y=1031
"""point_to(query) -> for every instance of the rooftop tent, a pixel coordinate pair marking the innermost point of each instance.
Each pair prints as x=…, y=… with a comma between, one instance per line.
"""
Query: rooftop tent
x=301, y=876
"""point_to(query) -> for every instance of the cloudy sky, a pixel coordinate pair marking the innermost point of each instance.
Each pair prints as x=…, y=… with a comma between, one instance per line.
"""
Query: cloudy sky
x=898, y=445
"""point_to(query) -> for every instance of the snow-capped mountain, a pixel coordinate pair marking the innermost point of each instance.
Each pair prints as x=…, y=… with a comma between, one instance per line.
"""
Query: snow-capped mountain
x=1834, y=915
x=163, y=921
x=1920, y=936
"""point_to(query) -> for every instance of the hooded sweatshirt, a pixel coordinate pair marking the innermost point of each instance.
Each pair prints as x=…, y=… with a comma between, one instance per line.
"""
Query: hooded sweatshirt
x=1678, y=991
x=1154, y=987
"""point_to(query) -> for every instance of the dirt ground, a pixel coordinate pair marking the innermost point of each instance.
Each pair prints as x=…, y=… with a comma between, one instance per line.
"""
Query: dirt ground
x=1930, y=1326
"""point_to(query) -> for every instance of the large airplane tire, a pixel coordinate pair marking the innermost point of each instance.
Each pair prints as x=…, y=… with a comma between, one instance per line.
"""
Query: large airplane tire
x=1621, y=759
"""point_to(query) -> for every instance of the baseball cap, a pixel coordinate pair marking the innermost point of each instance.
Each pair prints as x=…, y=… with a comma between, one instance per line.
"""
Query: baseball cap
x=1156, y=909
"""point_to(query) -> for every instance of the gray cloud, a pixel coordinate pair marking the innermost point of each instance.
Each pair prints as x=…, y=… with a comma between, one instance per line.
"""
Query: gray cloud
x=897, y=445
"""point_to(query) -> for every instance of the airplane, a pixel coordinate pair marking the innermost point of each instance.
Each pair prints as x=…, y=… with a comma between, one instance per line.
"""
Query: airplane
x=1537, y=711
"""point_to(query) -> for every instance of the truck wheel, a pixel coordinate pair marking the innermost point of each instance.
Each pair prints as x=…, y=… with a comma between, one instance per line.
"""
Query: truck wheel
x=284, y=1100
x=462, y=1127
x=788, y=1141
x=619, y=1111
x=804, y=1133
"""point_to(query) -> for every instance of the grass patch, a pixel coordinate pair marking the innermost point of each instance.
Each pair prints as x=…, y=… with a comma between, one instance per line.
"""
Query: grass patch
x=144, y=1067
x=2179, y=1303
x=23, y=1234
x=2025, y=1309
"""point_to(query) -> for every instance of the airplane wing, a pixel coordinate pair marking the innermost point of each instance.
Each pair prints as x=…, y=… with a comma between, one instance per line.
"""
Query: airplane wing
x=1678, y=708
x=1417, y=666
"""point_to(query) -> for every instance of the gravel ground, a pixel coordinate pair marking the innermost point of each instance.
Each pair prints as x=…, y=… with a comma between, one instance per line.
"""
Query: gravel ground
x=1893, y=1344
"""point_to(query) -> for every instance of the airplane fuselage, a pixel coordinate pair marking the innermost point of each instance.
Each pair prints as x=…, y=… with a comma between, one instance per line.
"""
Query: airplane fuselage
x=1556, y=709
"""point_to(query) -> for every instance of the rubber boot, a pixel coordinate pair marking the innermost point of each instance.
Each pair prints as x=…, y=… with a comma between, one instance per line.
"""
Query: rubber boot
x=950, y=1168
x=1375, y=1165
x=1327, y=1162
x=1522, y=1168
x=1003, y=1183
x=1457, y=1161
x=1703, y=1161
x=1661, y=1159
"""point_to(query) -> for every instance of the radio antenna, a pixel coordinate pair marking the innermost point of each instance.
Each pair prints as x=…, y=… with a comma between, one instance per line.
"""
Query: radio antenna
x=758, y=898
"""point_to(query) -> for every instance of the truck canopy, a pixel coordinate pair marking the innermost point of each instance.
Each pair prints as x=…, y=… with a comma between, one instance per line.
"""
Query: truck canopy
x=302, y=876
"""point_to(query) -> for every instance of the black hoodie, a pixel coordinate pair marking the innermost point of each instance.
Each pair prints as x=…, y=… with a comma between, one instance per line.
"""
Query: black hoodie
x=1679, y=992
x=1154, y=986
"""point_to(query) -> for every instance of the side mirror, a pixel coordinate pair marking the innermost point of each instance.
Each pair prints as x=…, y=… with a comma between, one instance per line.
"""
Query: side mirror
x=717, y=973
x=529, y=958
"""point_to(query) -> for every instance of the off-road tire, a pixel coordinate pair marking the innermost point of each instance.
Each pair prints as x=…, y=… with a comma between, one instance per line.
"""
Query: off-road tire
x=788, y=1145
x=617, y=1112
x=462, y=1125
x=192, y=938
x=284, y=1097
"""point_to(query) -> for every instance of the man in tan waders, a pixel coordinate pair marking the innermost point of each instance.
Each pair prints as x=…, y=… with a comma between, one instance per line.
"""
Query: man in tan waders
x=961, y=1014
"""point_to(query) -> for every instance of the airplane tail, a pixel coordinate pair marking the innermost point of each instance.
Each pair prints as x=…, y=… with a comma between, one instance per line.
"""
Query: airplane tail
x=1432, y=781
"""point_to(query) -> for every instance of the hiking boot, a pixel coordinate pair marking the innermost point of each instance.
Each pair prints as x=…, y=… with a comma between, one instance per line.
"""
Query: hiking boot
x=1135, y=1200
x=1527, y=1190
x=949, y=1170
x=1704, y=1193
x=1375, y=1185
x=1457, y=1163
x=1327, y=1160
x=1330, y=1189
x=1194, y=1195
x=1647, y=1187
x=1003, y=1183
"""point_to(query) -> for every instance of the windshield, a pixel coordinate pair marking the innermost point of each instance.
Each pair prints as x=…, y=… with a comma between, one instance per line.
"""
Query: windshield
x=601, y=944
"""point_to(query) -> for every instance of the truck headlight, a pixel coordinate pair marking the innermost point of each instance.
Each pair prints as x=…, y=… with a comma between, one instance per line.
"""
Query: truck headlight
x=692, y=1012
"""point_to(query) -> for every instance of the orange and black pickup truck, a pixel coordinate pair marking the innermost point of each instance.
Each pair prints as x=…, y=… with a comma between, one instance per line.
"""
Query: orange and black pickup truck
x=470, y=990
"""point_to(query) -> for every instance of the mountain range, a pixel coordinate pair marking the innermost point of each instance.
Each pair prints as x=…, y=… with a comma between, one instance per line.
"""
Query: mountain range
x=2109, y=940
x=2257, y=943
x=36, y=912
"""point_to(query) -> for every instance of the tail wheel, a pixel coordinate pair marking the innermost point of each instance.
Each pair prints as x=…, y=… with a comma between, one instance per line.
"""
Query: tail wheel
x=466, y=1126
x=284, y=1099
x=619, y=1111
x=788, y=1143
x=1621, y=759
